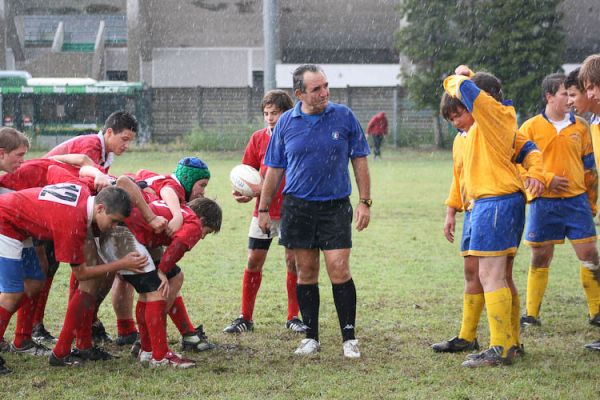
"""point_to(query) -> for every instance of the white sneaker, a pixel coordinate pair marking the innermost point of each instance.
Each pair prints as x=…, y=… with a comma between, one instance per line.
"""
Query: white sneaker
x=144, y=356
x=172, y=360
x=351, y=349
x=308, y=347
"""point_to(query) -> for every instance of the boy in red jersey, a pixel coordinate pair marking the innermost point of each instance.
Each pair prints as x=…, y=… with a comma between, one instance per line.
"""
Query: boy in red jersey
x=31, y=174
x=203, y=216
x=275, y=103
x=188, y=182
x=120, y=129
x=13, y=146
x=42, y=215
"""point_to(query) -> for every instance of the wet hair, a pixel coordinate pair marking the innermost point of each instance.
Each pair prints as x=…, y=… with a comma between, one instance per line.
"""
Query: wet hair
x=279, y=98
x=298, y=75
x=208, y=211
x=590, y=70
x=551, y=84
x=115, y=200
x=120, y=121
x=450, y=105
x=573, y=80
x=11, y=139
x=490, y=84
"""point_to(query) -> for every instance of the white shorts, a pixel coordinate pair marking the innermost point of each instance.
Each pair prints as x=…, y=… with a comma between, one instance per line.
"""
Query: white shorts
x=255, y=232
x=118, y=243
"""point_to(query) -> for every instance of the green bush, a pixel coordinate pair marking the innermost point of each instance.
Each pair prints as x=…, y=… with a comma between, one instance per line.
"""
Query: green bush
x=224, y=137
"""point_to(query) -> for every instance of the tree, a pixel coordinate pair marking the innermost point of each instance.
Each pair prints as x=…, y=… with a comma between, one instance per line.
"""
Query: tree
x=518, y=41
x=523, y=45
x=430, y=41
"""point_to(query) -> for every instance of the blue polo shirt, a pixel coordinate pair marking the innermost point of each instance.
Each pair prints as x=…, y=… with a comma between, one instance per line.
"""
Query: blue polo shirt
x=315, y=151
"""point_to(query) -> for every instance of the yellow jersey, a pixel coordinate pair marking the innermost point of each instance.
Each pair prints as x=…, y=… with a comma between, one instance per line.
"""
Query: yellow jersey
x=566, y=148
x=492, y=145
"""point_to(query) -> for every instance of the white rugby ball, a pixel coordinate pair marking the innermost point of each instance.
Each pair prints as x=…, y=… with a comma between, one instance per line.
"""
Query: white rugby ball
x=245, y=180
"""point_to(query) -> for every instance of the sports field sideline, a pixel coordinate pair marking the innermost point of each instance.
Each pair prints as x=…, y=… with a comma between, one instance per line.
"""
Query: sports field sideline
x=409, y=285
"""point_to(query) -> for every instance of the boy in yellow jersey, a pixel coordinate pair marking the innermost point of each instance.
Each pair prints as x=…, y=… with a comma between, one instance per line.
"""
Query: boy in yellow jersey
x=589, y=78
x=563, y=210
x=493, y=183
x=579, y=103
x=453, y=111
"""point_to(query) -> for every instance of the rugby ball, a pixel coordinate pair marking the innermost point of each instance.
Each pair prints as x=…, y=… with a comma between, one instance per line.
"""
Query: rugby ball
x=245, y=180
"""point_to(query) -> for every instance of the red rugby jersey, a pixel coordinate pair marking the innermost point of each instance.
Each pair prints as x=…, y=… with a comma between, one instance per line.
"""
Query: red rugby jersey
x=92, y=146
x=34, y=173
x=183, y=240
x=254, y=156
x=157, y=181
x=61, y=213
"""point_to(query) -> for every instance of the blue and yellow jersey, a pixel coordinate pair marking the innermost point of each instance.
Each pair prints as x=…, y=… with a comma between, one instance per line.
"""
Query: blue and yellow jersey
x=493, y=145
x=457, y=198
x=567, y=150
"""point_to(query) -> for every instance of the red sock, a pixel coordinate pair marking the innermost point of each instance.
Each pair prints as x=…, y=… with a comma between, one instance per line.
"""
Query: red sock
x=250, y=286
x=84, y=330
x=24, y=320
x=290, y=283
x=4, y=320
x=42, y=299
x=126, y=327
x=73, y=318
x=140, y=316
x=180, y=317
x=156, y=321
x=73, y=285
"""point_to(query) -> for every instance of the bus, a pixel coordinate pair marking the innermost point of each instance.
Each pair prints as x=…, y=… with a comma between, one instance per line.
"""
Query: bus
x=51, y=110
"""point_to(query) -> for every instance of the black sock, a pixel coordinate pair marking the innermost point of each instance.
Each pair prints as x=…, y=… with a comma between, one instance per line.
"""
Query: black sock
x=309, y=301
x=344, y=296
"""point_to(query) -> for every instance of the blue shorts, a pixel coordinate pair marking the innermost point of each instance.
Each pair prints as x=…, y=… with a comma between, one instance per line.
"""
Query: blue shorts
x=14, y=272
x=494, y=226
x=551, y=220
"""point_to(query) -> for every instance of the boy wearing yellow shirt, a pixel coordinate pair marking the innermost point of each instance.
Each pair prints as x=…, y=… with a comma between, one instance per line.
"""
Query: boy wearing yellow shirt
x=497, y=217
x=454, y=112
x=589, y=78
x=563, y=210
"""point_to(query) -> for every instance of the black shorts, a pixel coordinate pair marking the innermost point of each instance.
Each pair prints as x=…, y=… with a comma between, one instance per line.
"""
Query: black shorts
x=259, y=244
x=326, y=225
x=144, y=283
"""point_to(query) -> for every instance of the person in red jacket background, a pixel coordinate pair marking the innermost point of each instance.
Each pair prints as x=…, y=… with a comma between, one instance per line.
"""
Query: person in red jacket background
x=378, y=128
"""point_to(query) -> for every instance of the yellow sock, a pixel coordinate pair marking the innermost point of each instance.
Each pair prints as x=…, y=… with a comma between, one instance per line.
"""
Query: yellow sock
x=515, y=320
x=499, y=306
x=591, y=287
x=537, y=280
x=472, y=307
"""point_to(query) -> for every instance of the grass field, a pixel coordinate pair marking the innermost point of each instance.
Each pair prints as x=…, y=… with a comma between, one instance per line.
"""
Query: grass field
x=409, y=284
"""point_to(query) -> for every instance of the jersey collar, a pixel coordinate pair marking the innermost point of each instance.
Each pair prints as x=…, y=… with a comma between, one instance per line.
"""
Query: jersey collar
x=107, y=159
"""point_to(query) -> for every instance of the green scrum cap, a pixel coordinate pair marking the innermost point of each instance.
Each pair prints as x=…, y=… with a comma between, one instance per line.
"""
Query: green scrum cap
x=189, y=171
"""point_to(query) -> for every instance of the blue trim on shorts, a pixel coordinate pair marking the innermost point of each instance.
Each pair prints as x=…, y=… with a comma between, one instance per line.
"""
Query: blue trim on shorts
x=553, y=219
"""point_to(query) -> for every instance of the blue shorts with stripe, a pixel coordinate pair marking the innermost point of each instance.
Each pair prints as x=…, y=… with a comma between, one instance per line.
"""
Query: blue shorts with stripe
x=550, y=220
x=14, y=272
x=494, y=226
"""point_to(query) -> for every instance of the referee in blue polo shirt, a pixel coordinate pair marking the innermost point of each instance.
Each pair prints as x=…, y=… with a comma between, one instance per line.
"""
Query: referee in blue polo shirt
x=312, y=143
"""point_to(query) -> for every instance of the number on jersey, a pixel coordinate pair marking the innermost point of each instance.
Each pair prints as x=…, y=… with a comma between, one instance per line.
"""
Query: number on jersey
x=63, y=193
